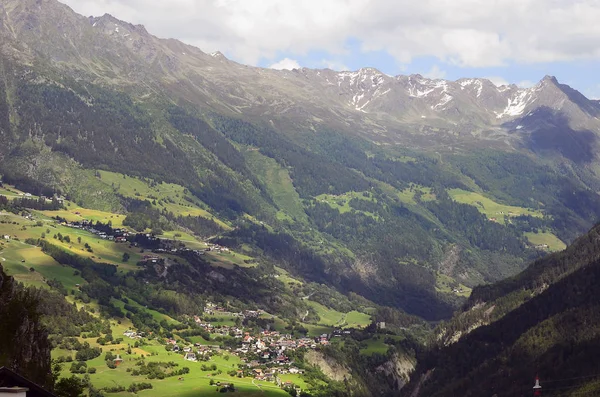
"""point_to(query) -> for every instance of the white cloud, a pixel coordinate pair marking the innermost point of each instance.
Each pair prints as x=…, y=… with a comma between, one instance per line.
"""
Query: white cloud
x=460, y=32
x=286, y=63
x=497, y=80
x=525, y=84
x=435, y=73
x=334, y=65
x=594, y=92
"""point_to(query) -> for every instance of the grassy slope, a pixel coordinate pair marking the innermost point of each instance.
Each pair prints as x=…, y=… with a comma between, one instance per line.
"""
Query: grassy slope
x=540, y=238
x=448, y=285
x=176, y=198
x=493, y=209
x=279, y=184
x=341, y=202
x=489, y=207
x=331, y=317
x=194, y=383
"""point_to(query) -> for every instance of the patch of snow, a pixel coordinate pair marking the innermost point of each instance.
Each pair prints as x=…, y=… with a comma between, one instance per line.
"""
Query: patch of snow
x=519, y=127
x=415, y=92
x=362, y=106
x=343, y=75
x=516, y=105
x=424, y=87
x=361, y=76
x=479, y=88
x=117, y=29
x=356, y=99
x=468, y=82
x=94, y=25
x=443, y=102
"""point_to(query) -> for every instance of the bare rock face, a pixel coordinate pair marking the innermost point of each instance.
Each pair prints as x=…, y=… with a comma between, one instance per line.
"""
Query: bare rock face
x=24, y=345
x=328, y=365
x=399, y=367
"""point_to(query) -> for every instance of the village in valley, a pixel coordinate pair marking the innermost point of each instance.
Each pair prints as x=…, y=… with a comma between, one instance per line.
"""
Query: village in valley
x=223, y=348
x=265, y=355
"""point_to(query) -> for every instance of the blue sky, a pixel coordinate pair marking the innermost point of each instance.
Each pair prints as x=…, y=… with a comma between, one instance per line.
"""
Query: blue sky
x=508, y=41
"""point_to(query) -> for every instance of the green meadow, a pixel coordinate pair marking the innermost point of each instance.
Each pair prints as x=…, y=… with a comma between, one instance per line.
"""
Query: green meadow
x=341, y=202
x=374, y=346
x=174, y=198
x=489, y=207
x=280, y=185
x=447, y=285
x=554, y=243
x=333, y=318
x=195, y=383
x=407, y=196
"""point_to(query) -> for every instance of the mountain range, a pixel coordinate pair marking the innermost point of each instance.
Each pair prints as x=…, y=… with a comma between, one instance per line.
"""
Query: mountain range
x=409, y=110
x=436, y=207
x=368, y=165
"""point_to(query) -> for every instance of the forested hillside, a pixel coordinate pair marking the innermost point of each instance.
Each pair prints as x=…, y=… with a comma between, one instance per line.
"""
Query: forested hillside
x=539, y=322
x=385, y=215
x=173, y=215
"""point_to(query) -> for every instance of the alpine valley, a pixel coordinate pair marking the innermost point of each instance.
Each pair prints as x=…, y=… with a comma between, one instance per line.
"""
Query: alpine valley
x=174, y=223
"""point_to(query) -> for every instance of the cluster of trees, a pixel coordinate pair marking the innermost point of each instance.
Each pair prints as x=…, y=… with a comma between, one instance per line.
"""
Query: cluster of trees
x=24, y=344
x=156, y=369
x=80, y=367
x=39, y=204
x=87, y=353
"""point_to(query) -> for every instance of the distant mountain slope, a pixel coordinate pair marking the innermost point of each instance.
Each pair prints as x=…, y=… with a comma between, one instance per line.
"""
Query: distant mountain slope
x=342, y=177
x=542, y=321
x=381, y=107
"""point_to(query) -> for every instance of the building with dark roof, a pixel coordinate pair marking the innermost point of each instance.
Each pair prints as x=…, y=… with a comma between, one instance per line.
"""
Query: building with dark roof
x=14, y=385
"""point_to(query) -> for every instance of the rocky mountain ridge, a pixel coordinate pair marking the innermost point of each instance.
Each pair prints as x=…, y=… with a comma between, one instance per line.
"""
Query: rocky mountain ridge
x=411, y=110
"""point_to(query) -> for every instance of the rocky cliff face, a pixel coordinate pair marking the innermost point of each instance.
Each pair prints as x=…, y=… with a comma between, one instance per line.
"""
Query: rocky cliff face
x=24, y=345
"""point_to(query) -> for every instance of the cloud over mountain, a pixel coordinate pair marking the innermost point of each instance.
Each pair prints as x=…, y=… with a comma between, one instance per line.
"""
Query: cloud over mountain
x=462, y=32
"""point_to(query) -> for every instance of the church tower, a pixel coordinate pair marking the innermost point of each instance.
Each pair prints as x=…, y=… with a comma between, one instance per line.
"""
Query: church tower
x=537, y=389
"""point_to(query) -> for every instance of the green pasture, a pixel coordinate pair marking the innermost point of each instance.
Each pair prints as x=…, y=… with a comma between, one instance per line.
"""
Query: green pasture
x=554, y=243
x=407, y=195
x=174, y=198
x=489, y=207
x=356, y=319
x=192, y=384
x=280, y=185
x=447, y=285
x=373, y=346
x=341, y=202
